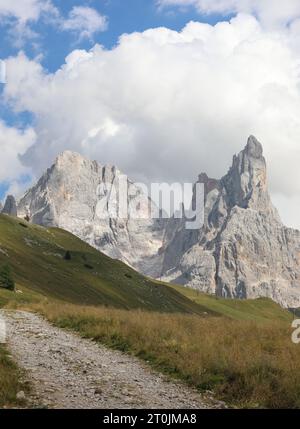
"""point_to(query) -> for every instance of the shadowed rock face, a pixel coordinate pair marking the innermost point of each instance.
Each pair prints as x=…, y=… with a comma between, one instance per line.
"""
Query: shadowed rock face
x=242, y=251
x=10, y=206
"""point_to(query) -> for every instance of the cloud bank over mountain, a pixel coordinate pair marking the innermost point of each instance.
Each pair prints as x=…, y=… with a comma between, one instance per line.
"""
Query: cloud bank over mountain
x=165, y=105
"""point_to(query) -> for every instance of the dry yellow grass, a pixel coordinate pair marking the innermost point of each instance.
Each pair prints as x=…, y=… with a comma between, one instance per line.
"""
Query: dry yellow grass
x=245, y=363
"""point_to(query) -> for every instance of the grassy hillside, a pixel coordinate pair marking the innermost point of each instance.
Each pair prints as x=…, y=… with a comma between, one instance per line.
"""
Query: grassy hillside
x=257, y=310
x=36, y=256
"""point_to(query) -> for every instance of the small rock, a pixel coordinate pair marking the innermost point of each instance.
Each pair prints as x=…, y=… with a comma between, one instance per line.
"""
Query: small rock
x=21, y=396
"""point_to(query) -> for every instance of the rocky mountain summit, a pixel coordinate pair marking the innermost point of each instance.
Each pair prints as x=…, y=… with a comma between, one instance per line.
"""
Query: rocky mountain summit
x=242, y=251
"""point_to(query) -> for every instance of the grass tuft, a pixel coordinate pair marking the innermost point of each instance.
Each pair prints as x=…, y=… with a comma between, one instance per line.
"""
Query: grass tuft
x=9, y=381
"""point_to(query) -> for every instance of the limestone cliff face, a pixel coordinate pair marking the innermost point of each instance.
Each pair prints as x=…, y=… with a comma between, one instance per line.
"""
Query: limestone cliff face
x=242, y=251
x=68, y=196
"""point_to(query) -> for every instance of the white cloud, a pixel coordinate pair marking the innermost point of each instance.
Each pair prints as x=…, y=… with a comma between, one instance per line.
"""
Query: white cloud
x=25, y=10
x=19, y=15
x=269, y=12
x=85, y=21
x=167, y=105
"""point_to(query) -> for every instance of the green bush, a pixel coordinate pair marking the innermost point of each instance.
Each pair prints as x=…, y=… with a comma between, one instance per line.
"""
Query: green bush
x=6, y=278
x=67, y=256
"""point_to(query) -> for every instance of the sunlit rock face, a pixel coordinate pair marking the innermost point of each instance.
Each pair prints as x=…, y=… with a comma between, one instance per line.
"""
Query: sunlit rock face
x=242, y=251
x=68, y=196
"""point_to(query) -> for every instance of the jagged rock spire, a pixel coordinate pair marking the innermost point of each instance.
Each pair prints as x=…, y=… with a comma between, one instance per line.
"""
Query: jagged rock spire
x=246, y=181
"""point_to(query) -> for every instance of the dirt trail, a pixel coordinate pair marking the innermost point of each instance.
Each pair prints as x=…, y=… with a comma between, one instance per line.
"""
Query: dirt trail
x=67, y=371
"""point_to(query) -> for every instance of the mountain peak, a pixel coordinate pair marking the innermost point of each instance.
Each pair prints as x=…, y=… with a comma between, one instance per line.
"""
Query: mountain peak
x=68, y=155
x=246, y=181
x=75, y=159
x=254, y=148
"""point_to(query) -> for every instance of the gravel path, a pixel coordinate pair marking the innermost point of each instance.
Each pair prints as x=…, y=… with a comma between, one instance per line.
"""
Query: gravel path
x=67, y=371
